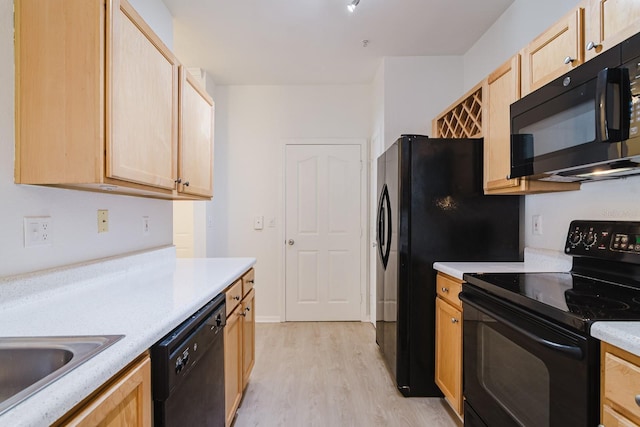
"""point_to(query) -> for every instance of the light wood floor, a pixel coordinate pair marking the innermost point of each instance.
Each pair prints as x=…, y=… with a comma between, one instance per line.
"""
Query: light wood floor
x=328, y=374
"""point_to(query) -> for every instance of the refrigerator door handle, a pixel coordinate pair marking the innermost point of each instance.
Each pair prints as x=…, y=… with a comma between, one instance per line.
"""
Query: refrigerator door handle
x=384, y=226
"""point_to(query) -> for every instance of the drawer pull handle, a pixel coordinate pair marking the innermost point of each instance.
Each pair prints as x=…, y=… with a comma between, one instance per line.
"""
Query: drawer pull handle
x=568, y=60
x=454, y=320
x=445, y=289
x=250, y=281
x=237, y=298
x=638, y=399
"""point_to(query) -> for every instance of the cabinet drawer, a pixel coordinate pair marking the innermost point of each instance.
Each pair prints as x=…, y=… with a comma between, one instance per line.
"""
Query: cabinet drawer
x=448, y=288
x=621, y=385
x=233, y=296
x=611, y=418
x=248, y=281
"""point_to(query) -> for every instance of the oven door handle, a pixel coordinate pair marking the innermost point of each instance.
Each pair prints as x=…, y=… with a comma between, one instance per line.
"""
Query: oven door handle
x=569, y=350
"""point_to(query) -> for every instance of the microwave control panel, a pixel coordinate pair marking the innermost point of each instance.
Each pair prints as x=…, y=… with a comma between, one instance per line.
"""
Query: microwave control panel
x=634, y=79
x=615, y=240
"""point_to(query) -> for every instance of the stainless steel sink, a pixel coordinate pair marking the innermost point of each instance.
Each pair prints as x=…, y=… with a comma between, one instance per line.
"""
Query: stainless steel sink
x=27, y=364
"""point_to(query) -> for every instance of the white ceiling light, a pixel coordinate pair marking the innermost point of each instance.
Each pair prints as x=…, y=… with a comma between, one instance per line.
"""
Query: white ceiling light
x=352, y=5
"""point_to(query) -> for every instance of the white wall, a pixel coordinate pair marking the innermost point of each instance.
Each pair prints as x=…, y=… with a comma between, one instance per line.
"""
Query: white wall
x=74, y=215
x=416, y=89
x=251, y=124
x=615, y=199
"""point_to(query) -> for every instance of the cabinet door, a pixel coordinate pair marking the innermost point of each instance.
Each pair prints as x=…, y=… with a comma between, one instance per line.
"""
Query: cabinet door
x=609, y=22
x=503, y=88
x=195, y=147
x=248, y=336
x=553, y=53
x=126, y=402
x=449, y=353
x=232, y=364
x=142, y=89
x=59, y=58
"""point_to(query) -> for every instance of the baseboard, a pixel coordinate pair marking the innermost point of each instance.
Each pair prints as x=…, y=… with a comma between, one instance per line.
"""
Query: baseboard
x=268, y=319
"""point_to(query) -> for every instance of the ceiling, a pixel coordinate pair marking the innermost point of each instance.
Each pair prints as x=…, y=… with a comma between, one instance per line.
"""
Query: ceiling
x=284, y=42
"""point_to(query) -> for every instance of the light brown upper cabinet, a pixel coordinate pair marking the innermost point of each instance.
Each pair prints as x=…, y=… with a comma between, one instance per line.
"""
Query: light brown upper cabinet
x=195, y=166
x=554, y=52
x=502, y=89
x=609, y=22
x=96, y=100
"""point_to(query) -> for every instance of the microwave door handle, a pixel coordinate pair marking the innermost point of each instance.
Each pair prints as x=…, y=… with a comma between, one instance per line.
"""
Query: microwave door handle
x=611, y=119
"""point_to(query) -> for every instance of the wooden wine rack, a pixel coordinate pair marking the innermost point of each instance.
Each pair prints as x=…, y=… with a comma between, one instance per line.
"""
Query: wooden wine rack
x=463, y=119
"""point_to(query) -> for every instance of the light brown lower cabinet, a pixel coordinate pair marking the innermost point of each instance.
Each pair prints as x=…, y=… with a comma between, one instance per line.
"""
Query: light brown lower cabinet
x=123, y=401
x=620, y=387
x=448, y=370
x=232, y=364
x=239, y=342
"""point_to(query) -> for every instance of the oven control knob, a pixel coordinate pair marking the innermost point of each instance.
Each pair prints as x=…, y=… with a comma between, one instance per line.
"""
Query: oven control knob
x=574, y=238
x=590, y=240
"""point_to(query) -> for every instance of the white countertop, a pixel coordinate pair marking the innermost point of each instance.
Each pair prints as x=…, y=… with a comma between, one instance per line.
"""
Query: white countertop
x=625, y=335
x=535, y=261
x=143, y=297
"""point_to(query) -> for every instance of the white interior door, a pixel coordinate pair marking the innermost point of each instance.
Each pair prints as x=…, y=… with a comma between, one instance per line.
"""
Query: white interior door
x=323, y=232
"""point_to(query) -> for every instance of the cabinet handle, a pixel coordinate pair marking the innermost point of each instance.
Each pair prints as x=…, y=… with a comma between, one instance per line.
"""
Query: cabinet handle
x=245, y=312
x=445, y=290
x=251, y=281
x=592, y=45
x=237, y=298
x=568, y=60
x=178, y=181
x=638, y=399
x=454, y=320
x=186, y=184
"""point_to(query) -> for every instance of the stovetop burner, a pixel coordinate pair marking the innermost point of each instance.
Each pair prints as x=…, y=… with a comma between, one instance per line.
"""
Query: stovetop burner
x=593, y=306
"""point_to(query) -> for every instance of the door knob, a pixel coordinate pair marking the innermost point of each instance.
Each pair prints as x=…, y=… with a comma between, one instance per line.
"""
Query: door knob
x=291, y=242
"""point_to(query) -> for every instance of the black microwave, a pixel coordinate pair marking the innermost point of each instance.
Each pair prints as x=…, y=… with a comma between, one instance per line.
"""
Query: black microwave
x=583, y=125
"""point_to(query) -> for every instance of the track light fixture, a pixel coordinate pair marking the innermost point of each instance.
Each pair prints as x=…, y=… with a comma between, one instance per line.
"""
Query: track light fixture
x=352, y=6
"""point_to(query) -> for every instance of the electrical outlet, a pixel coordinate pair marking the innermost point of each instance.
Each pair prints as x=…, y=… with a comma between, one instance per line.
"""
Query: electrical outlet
x=537, y=224
x=38, y=231
x=103, y=220
x=258, y=223
x=145, y=225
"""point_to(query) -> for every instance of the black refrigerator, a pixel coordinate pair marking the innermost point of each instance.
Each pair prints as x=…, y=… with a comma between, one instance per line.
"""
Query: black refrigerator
x=431, y=207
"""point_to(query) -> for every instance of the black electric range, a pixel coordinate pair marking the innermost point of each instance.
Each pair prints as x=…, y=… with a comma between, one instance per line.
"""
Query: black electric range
x=529, y=359
x=603, y=284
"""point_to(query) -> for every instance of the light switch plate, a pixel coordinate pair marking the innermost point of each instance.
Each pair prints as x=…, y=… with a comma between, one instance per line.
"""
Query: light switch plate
x=258, y=223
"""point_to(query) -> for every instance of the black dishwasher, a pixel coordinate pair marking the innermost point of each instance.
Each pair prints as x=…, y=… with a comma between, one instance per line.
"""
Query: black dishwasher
x=187, y=370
